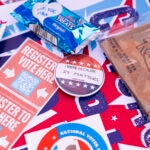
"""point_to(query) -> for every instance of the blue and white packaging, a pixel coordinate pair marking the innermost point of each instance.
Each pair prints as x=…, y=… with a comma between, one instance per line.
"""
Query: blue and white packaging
x=57, y=24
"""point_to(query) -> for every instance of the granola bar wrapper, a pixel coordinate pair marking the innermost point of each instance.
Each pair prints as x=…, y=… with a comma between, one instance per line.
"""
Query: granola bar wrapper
x=129, y=53
x=57, y=24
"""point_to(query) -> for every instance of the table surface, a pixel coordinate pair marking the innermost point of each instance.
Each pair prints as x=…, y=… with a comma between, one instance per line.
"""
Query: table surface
x=111, y=114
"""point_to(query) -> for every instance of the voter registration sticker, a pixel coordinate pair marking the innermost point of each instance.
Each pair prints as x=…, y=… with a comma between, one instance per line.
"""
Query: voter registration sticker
x=79, y=75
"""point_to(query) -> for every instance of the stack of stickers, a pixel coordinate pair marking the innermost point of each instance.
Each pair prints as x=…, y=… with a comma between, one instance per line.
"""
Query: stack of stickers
x=61, y=101
x=27, y=83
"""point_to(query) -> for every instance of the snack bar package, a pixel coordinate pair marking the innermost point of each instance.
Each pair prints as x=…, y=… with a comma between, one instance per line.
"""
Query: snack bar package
x=55, y=23
x=130, y=55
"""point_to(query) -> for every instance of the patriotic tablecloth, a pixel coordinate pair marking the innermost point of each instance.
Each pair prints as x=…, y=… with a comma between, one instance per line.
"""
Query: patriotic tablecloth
x=108, y=120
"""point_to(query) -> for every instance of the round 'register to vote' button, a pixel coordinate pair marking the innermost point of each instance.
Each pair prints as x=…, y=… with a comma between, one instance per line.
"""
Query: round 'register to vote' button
x=79, y=75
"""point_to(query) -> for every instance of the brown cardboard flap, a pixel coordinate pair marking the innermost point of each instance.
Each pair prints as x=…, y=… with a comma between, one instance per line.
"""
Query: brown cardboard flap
x=130, y=55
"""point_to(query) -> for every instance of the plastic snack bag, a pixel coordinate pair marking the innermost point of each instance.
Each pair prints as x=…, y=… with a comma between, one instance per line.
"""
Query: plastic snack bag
x=57, y=24
x=130, y=55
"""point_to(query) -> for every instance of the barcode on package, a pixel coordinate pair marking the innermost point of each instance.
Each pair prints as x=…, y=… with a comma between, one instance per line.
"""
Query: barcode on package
x=42, y=33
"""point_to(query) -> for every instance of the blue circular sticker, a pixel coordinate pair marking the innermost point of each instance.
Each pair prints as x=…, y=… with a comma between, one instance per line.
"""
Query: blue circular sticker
x=72, y=136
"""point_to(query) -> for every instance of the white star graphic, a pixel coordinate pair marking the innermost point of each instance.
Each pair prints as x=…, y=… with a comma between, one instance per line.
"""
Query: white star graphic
x=67, y=61
x=88, y=64
x=85, y=85
x=148, y=136
x=81, y=63
x=114, y=118
x=54, y=137
x=45, y=148
x=92, y=87
x=63, y=81
x=74, y=62
x=95, y=66
x=70, y=83
x=78, y=84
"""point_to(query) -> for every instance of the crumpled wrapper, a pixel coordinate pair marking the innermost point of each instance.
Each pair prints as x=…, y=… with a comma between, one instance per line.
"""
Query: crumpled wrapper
x=129, y=53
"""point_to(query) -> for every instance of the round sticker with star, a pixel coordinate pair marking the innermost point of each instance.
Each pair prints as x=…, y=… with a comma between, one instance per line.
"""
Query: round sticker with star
x=72, y=136
x=79, y=75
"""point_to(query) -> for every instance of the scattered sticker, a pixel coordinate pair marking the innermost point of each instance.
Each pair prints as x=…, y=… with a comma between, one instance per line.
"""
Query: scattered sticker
x=79, y=75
